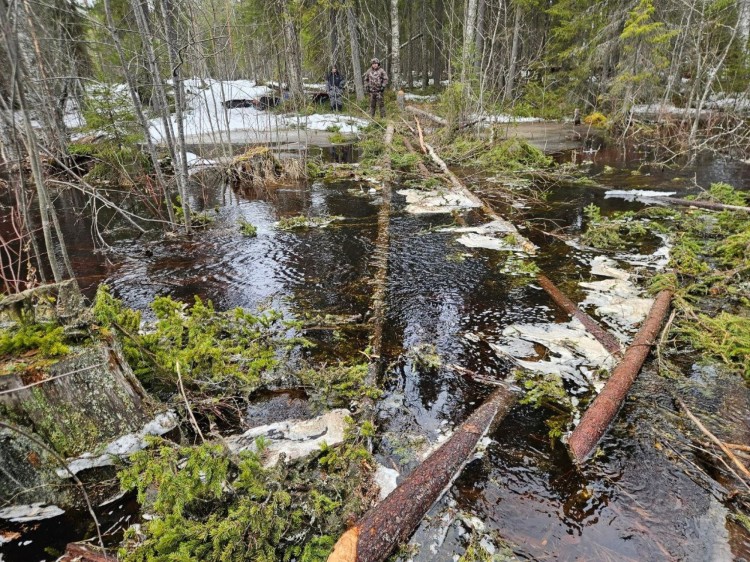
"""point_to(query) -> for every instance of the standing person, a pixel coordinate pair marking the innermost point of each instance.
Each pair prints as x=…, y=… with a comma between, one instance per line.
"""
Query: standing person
x=335, y=87
x=375, y=81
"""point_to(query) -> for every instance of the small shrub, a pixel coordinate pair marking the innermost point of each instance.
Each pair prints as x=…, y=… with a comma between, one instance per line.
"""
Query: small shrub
x=595, y=119
x=248, y=229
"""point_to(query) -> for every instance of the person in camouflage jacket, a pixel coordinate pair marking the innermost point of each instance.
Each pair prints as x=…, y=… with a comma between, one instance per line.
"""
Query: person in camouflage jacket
x=375, y=81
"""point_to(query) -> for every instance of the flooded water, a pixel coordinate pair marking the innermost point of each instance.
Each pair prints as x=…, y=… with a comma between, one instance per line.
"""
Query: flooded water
x=639, y=501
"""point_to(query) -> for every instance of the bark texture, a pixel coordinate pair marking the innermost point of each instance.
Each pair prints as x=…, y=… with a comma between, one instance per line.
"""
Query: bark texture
x=600, y=414
x=393, y=520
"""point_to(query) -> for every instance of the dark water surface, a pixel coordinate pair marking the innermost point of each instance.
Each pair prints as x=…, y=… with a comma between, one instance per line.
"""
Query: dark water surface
x=639, y=501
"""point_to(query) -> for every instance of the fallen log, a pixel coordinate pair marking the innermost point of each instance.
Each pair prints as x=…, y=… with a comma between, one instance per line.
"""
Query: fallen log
x=525, y=244
x=427, y=115
x=380, y=279
x=609, y=342
x=603, y=410
x=392, y=521
x=700, y=204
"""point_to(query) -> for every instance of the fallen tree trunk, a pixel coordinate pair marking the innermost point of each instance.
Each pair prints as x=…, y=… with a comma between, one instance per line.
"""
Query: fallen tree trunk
x=609, y=342
x=427, y=115
x=392, y=521
x=523, y=243
x=603, y=410
x=380, y=279
x=700, y=204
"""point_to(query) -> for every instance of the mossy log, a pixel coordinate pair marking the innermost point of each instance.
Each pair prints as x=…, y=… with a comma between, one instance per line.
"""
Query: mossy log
x=79, y=403
x=603, y=410
x=392, y=521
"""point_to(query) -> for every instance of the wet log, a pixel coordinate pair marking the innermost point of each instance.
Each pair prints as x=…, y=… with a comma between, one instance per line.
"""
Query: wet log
x=80, y=553
x=523, y=243
x=700, y=204
x=392, y=521
x=603, y=410
x=380, y=279
x=609, y=342
x=427, y=115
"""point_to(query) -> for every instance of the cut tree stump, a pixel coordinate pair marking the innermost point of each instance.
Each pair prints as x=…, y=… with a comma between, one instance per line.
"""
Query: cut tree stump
x=603, y=410
x=392, y=521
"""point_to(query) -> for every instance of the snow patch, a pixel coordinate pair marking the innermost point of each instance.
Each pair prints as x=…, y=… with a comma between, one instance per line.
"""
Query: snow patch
x=386, y=479
x=293, y=438
x=122, y=446
x=423, y=202
x=636, y=194
x=32, y=512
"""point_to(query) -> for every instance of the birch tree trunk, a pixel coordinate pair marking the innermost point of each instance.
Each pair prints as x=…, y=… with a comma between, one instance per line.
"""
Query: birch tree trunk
x=395, y=47
x=351, y=22
x=469, y=26
x=744, y=25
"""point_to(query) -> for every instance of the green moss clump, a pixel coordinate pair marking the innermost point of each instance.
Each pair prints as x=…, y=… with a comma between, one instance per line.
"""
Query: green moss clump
x=725, y=336
x=47, y=338
x=513, y=155
x=248, y=229
x=228, y=350
x=337, y=385
x=213, y=506
x=611, y=233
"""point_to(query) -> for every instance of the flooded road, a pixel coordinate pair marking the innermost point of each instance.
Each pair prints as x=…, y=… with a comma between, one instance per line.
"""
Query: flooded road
x=640, y=500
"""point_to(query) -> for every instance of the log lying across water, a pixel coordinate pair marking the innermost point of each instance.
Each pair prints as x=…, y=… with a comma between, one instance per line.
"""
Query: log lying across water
x=700, y=204
x=392, y=521
x=603, y=410
x=609, y=342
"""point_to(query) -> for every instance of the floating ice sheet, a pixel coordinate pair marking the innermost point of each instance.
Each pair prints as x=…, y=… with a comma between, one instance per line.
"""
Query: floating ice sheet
x=422, y=202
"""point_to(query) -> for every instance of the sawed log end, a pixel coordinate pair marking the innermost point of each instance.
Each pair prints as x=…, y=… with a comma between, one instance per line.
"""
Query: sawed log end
x=345, y=549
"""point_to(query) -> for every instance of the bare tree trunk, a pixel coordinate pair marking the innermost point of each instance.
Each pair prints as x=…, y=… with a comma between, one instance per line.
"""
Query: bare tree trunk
x=744, y=25
x=510, y=83
x=437, y=48
x=479, y=36
x=175, y=62
x=351, y=21
x=292, y=52
x=395, y=47
x=46, y=209
x=469, y=26
x=138, y=106
x=333, y=33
